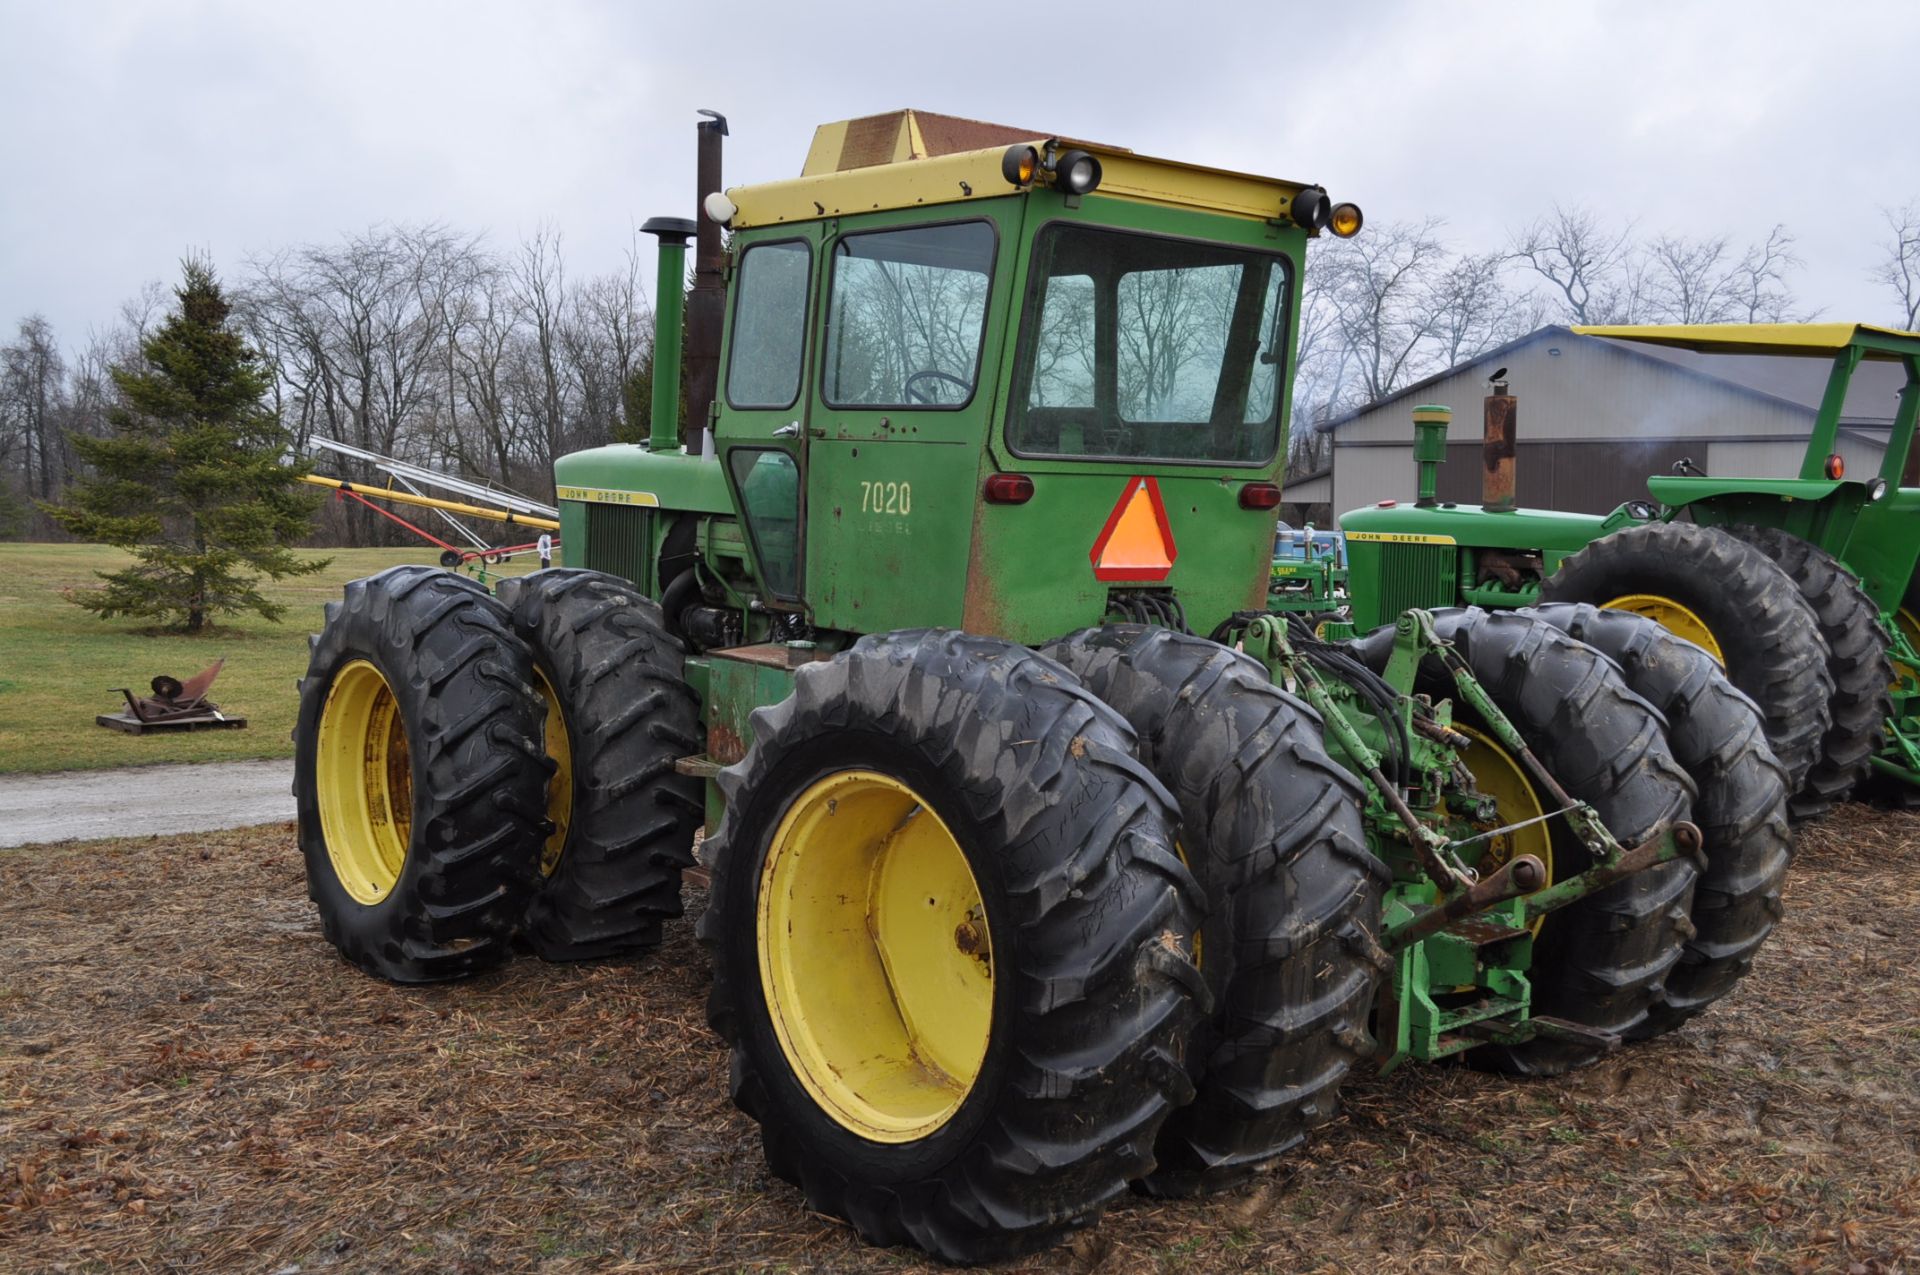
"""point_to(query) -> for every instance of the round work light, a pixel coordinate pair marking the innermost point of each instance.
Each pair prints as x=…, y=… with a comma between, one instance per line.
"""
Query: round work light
x=1311, y=211
x=1076, y=172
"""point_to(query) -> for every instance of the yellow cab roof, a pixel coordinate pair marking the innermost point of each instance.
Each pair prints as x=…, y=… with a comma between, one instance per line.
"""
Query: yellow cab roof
x=1814, y=339
x=906, y=159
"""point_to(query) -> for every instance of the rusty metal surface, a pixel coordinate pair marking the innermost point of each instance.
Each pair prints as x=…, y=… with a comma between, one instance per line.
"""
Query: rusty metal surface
x=1497, y=451
x=1686, y=842
x=1522, y=876
x=772, y=655
x=724, y=744
x=1484, y=933
x=196, y=687
x=707, y=299
x=1514, y=569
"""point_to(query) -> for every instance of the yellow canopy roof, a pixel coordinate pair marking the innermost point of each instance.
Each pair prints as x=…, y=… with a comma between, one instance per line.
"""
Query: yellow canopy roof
x=1818, y=339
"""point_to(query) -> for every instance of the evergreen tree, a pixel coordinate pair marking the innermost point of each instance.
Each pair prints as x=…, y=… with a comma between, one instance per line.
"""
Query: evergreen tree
x=196, y=479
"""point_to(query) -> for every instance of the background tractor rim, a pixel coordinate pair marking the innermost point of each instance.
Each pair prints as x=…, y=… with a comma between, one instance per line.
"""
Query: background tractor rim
x=1498, y=775
x=875, y=956
x=364, y=782
x=1680, y=620
x=559, y=747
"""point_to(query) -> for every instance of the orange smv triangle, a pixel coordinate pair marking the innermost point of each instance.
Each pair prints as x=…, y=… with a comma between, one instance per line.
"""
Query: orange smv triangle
x=1137, y=542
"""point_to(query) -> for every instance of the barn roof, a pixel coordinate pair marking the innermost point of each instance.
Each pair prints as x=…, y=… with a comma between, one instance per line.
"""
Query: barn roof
x=1797, y=379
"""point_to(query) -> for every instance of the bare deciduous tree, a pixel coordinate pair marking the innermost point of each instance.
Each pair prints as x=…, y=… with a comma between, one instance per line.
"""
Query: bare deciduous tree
x=1588, y=264
x=1899, y=269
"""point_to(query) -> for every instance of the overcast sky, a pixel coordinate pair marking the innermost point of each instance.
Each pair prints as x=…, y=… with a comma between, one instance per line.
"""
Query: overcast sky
x=132, y=133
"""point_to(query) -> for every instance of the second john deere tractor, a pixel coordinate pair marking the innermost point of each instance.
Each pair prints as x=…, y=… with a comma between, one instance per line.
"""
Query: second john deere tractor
x=1806, y=590
x=1043, y=861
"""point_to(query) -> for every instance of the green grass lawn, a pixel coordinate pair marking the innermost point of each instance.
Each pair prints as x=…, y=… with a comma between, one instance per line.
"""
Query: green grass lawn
x=59, y=665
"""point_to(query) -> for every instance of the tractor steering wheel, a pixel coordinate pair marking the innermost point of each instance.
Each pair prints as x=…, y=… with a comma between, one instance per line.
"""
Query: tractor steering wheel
x=916, y=395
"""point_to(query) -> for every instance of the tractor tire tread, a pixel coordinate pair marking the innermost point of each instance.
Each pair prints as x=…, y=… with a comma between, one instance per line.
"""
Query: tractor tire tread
x=613, y=667
x=1080, y=838
x=1272, y=827
x=1768, y=633
x=1857, y=659
x=1719, y=737
x=473, y=852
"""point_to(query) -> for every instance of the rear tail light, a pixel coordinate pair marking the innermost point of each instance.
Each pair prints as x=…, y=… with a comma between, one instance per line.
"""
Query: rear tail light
x=1009, y=489
x=1259, y=496
x=1836, y=466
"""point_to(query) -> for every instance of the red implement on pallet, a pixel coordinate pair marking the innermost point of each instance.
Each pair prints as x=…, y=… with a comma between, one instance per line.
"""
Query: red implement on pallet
x=173, y=706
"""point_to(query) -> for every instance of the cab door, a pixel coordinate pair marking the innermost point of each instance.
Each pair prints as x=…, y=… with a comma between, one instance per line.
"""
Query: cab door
x=762, y=427
x=912, y=321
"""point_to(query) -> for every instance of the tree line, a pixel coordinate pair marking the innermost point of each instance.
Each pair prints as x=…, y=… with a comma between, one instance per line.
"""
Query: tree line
x=451, y=351
x=413, y=341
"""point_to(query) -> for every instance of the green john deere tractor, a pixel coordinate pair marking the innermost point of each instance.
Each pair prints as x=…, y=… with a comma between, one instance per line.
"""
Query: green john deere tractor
x=1804, y=589
x=1022, y=890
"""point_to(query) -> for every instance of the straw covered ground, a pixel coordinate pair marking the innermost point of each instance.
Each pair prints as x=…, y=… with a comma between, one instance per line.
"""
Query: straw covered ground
x=190, y=1081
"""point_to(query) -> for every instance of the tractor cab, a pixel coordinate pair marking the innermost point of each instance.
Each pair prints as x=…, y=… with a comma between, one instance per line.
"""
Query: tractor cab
x=973, y=377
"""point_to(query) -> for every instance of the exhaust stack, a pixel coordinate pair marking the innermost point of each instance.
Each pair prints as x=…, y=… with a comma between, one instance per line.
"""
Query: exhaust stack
x=707, y=304
x=669, y=307
x=1497, y=447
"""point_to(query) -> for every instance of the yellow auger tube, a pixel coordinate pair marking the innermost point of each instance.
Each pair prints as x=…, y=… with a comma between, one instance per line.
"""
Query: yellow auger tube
x=429, y=502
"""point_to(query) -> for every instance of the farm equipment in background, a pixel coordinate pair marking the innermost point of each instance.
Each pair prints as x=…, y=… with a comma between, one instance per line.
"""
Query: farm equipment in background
x=173, y=706
x=1021, y=891
x=1805, y=589
x=1309, y=575
x=501, y=505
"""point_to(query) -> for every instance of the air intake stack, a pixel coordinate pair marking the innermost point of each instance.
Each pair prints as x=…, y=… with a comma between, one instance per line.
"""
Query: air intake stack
x=1430, y=421
x=669, y=309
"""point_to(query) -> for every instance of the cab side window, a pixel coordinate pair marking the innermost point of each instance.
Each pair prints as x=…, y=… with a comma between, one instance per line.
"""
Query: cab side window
x=769, y=326
x=906, y=316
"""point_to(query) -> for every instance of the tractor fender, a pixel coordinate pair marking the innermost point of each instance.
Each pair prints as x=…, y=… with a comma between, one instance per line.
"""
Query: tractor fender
x=1676, y=491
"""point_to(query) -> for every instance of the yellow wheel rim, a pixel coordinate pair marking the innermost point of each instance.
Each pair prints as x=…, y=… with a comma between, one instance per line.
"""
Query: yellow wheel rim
x=364, y=782
x=560, y=788
x=1908, y=623
x=1676, y=619
x=875, y=956
x=1497, y=775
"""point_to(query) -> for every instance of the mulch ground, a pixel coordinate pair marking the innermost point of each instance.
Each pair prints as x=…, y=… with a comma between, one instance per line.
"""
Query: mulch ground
x=189, y=1080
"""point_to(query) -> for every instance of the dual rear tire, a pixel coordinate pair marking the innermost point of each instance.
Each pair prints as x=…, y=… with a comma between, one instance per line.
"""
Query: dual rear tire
x=1719, y=738
x=952, y=943
x=470, y=769
x=970, y=975
x=1290, y=945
